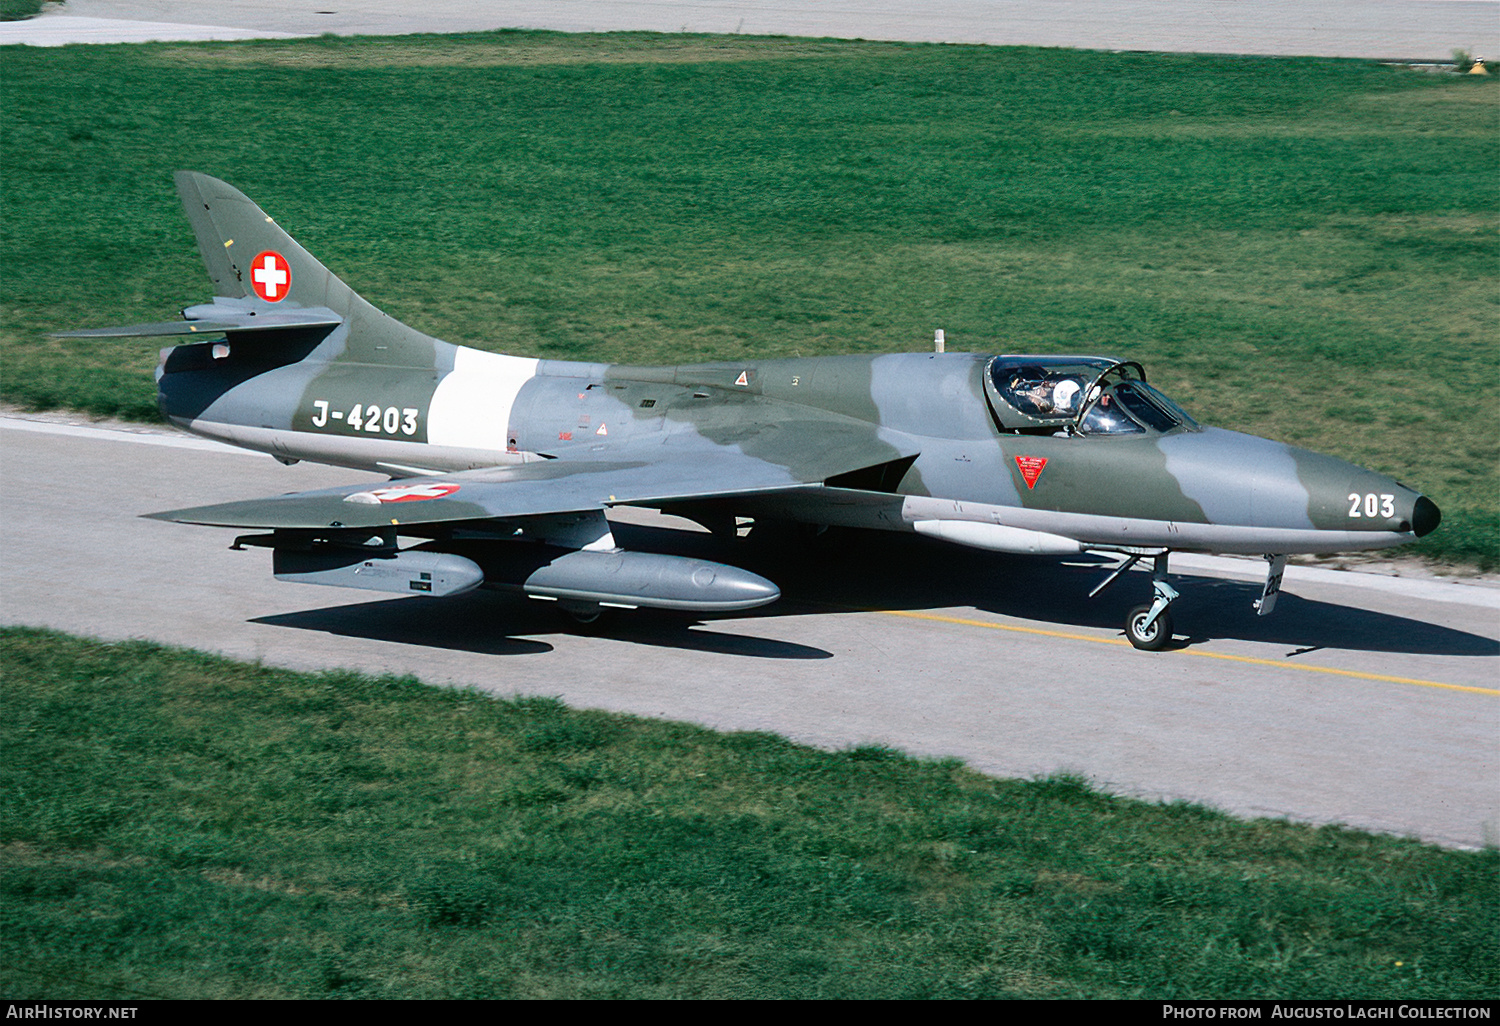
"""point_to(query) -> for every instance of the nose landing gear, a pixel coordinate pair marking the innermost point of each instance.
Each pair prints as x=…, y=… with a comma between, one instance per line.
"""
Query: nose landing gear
x=1149, y=627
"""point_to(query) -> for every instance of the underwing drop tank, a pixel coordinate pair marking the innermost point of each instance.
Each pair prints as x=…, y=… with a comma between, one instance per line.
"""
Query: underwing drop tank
x=633, y=579
x=404, y=573
x=622, y=579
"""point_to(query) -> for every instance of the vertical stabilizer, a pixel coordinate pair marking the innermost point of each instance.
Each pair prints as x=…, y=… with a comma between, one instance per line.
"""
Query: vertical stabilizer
x=234, y=236
x=251, y=259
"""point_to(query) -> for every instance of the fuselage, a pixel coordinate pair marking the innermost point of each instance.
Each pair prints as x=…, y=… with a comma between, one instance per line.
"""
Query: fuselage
x=940, y=452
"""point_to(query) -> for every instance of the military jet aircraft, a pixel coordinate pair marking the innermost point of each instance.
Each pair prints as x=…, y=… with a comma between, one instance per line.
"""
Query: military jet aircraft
x=502, y=467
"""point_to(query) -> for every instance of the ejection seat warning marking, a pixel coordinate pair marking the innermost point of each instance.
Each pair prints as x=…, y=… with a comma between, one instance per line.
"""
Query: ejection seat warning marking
x=1031, y=469
x=270, y=276
x=743, y=379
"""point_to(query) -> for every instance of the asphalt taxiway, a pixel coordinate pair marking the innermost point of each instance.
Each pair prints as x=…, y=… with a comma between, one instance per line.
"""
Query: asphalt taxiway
x=1375, y=705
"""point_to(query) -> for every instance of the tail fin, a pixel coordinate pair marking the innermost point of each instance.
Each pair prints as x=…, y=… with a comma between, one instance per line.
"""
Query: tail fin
x=269, y=288
x=259, y=266
x=233, y=232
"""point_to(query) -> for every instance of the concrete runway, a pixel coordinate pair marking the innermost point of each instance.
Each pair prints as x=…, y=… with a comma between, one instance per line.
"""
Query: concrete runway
x=1374, y=702
x=1402, y=30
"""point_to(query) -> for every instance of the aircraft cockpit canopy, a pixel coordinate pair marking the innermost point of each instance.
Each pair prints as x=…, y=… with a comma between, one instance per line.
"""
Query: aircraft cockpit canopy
x=1083, y=395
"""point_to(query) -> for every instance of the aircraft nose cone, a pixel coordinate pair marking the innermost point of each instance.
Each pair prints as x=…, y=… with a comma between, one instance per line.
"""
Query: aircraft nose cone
x=1425, y=516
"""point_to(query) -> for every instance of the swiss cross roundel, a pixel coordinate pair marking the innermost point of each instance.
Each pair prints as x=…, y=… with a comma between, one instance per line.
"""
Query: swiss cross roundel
x=271, y=276
x=414, y=492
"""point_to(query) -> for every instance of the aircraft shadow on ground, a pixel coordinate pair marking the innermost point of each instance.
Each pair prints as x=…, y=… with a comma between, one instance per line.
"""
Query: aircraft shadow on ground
x=873, y=570
x=469, y=623
x=498, y=623
x=858, y=571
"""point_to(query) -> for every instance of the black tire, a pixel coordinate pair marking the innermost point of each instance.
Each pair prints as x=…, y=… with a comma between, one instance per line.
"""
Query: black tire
x=584, y=620
x=1148, y=639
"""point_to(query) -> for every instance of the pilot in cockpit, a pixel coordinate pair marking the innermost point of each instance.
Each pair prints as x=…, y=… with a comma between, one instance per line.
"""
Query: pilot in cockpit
x=1049, y=396
x=1066, y=395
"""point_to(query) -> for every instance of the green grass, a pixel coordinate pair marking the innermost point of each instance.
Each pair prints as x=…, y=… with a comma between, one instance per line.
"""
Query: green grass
x=1301, y=248
x=18, y=10
x=178, y=825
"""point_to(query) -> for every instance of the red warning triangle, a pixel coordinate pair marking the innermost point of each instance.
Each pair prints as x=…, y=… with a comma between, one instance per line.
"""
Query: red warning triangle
x=1031, y=469
x=743, y=379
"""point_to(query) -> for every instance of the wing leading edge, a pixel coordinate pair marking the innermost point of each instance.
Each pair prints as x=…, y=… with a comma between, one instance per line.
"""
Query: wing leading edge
x=655, y=477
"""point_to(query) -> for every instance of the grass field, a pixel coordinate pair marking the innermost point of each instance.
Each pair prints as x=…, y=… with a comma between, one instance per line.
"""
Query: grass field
x=1300, y=248
x=17, y=10
x=178, y=825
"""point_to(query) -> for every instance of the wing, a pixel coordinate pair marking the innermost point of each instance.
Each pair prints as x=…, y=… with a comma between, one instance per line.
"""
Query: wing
x=643, y=475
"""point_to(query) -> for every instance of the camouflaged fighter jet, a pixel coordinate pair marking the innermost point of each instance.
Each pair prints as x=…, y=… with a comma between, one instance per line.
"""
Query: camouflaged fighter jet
x=502, y=467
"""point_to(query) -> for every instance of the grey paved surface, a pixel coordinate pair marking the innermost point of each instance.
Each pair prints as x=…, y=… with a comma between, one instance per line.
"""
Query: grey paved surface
x=1000, y=662
x=1385, y=29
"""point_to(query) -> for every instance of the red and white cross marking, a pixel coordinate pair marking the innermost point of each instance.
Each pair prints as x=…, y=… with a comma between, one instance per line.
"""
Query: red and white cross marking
x=414, y=492
x=270, y=276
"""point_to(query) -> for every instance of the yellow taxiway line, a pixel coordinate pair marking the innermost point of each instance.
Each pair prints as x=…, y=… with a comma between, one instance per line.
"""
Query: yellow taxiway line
x=1281, y=663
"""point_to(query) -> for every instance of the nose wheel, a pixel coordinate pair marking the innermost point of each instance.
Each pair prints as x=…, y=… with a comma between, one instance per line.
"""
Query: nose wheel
x=1149, y=627
x=1148, y=632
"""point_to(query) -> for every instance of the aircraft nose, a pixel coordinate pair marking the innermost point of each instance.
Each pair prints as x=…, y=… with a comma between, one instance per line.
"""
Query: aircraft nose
x=1360, y=500
x=1241, y=479
x=1425, y=516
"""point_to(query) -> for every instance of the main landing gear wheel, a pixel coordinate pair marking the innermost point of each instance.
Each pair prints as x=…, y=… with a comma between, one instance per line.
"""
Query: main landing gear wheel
x=586, y=618
x=1146, y=634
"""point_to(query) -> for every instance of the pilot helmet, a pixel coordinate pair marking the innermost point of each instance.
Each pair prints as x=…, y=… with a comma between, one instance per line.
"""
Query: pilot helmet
x=1065, y=395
